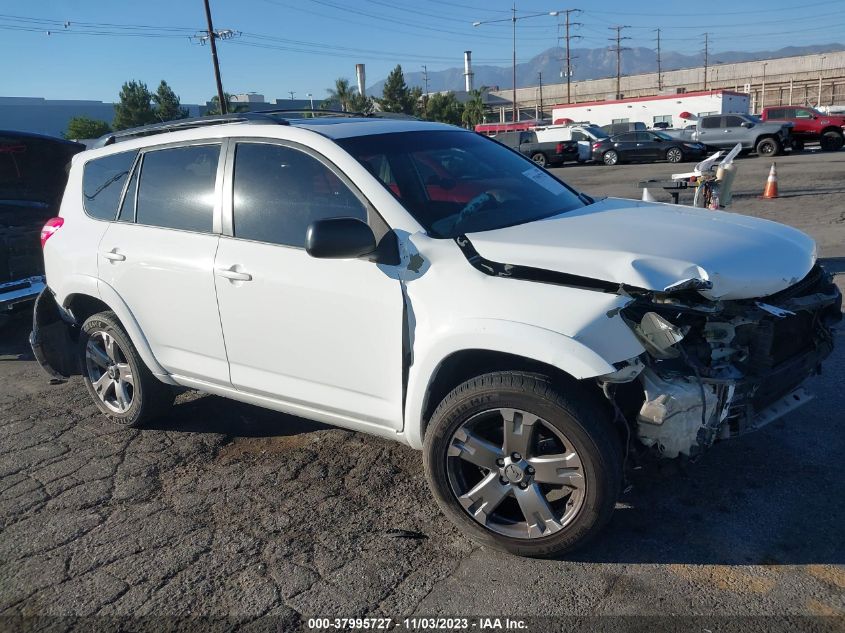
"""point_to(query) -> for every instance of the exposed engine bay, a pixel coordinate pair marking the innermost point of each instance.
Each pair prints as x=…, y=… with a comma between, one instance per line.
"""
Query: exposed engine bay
x=718, y=369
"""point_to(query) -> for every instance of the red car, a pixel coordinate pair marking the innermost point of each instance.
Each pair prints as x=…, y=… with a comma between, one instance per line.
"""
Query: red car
x=810, y=125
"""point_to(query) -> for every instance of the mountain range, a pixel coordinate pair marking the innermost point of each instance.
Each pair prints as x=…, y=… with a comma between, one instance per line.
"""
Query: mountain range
x=589, y=63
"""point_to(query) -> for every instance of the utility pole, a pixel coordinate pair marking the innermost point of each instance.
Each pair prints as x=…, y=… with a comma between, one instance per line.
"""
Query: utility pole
x=659, y=68
x=569, y=58
x=212, y=36
x=540, y=111
x=618, y=49
x=425, y=94
x=706, y=56
x=291, y=93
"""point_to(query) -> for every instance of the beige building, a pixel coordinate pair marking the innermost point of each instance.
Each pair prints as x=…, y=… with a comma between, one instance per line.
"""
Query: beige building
x=805, y=80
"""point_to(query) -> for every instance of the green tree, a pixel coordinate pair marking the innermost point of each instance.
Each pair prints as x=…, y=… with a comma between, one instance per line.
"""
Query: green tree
x=361, y=103
x=444, y=107
x=231, y=106
x=342, y=93
x=85, y=127
x=473, y=113
x=396, y=96
x=135, y=106
x=167, y=104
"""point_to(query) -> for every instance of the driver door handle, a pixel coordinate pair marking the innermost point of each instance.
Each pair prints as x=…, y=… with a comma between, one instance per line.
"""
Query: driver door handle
x=234, y=275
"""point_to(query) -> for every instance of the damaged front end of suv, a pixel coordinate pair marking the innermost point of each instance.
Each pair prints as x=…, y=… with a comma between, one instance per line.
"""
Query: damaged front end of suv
x=715, y=369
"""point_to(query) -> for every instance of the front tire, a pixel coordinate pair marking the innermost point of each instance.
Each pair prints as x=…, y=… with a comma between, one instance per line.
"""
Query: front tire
x=520, y=466
x=674, y=155
x=118, y=381
x=539, y=159
x=610, y=157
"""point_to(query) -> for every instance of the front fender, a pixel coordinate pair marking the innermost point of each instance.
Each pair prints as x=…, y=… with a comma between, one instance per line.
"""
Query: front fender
x=509, y=337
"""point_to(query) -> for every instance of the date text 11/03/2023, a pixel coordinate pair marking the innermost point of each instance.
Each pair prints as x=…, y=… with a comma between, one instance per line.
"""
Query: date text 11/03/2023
x=417, y=624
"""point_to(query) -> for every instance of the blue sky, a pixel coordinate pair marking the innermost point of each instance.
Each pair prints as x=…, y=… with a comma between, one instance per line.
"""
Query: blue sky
x=303, y=45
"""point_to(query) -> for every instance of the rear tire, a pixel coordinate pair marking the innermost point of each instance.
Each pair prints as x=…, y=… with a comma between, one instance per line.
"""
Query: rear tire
x=513, y=507
x=831, y=141
x=118, y=381
x=610, y=157
x=539, y=159
x=767, y=147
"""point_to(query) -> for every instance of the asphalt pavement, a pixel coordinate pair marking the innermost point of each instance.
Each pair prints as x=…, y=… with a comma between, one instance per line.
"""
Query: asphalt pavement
x=253, y=520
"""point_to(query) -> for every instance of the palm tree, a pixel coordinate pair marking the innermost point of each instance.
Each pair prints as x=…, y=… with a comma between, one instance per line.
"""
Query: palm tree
x=342, y=93
x=473, y=113
x=231, y=106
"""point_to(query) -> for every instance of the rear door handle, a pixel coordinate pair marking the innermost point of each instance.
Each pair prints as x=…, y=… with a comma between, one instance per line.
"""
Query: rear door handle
x=234, y=275
x=114, y=256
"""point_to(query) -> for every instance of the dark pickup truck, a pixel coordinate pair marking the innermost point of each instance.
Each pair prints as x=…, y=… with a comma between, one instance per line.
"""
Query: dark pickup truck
x=549, y=154
x=33, y=174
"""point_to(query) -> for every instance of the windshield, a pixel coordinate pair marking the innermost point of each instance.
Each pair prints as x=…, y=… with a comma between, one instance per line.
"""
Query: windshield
x=460, y=182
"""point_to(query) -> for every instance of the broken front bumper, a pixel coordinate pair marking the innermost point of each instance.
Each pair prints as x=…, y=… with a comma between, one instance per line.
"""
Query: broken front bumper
x=737, y=366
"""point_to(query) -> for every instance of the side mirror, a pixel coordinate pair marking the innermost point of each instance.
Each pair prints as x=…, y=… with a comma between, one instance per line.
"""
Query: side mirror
x=746, y=124
x=339, y=238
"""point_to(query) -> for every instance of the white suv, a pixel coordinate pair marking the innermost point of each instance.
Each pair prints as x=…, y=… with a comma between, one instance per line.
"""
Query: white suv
x=424, y=283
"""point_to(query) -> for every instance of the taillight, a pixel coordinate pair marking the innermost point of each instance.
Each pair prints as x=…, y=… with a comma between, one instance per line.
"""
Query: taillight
x=596, y=144
x=53, y=225
x=560, y=149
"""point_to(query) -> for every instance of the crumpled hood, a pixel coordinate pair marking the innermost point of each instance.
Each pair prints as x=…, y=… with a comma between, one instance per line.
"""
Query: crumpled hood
x=656, y=246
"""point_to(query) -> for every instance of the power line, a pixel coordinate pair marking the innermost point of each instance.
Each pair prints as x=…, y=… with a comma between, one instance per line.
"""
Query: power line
x=618, y=49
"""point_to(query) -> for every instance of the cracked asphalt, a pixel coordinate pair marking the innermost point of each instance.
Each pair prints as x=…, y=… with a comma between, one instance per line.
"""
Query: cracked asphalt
x=232, y=513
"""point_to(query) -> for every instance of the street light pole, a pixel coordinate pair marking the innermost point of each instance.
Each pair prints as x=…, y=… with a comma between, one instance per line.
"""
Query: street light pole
x=515, y=115
x=763, y=88
x=513, y=19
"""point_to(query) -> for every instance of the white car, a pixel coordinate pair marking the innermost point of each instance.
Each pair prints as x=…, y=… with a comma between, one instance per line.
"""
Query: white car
x=424, y=283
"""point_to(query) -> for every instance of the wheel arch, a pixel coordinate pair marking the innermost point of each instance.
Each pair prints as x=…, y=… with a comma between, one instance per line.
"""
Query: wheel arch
x=493, y=347
x=71, y=310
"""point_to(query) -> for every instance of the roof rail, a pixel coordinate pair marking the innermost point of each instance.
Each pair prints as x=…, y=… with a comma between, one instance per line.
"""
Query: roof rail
x=186, y=124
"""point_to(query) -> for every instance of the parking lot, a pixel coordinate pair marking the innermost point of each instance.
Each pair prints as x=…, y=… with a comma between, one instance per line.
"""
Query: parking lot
x=228, y=511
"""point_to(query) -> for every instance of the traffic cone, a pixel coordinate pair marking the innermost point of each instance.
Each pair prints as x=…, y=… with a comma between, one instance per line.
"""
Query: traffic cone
x=771, y=190
x=647, y=197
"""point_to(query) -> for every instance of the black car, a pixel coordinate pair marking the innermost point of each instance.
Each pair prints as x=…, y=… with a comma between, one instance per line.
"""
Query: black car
x=545, y=154
x=33, y=173
x=645, y=146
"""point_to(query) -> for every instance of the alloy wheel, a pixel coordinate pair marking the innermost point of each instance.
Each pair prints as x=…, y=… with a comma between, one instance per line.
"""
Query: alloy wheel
x=674, y=155
x=611, y=158
x=109, y=371
x=515, y=473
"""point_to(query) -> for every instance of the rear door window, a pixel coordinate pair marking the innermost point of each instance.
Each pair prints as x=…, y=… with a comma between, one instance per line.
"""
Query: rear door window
x=733, y=121
x=711, y=122
x=102, y=183
x=176, y=189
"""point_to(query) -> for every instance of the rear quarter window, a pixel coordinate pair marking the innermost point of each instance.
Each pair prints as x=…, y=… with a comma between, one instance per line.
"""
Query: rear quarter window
x=102, y=183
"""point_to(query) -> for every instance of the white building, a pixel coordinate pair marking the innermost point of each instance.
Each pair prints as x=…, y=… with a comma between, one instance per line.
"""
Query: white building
x=651, y=110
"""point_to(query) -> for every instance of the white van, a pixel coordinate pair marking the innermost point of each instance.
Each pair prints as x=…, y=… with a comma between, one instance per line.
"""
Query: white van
x=584, y=133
